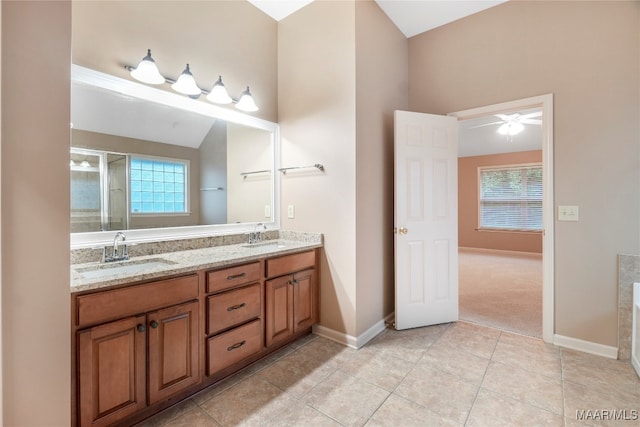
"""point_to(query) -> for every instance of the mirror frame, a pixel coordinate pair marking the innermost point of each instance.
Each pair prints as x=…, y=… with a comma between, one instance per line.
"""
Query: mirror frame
x=86, y=76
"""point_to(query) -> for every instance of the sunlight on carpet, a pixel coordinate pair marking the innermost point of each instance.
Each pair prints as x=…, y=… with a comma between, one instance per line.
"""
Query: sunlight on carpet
x=501, y=289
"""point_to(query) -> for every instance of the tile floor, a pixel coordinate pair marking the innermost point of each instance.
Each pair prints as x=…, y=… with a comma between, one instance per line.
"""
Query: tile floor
x=458, y=374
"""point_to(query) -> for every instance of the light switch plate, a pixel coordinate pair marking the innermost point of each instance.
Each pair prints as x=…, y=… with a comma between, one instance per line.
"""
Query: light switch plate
x=291, y=212
x=267, y=211
x=568, y=213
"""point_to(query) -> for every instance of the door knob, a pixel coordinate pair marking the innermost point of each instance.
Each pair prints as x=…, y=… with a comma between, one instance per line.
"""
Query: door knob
x=403, y=230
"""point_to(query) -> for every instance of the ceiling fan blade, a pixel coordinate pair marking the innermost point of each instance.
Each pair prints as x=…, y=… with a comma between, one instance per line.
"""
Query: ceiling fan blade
x=485, y=124
x=530, y=121
x=531, y=115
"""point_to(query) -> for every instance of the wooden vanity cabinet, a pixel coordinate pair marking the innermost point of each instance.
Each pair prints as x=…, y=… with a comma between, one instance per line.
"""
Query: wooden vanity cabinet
x=140, y=348
x=234, y=316
x=291, y=296
x=124, y=365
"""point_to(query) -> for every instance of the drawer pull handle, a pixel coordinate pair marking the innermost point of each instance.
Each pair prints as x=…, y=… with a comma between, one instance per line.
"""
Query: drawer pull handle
x=235, y=307
x=236, y=345
x=236, y=276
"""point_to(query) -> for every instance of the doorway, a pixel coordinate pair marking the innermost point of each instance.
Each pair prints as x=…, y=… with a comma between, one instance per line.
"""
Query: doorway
x=543, y=104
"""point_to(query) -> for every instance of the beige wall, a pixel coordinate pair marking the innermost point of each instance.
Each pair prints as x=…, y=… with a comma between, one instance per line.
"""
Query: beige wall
x=587, y=55
x=468, y=234
x=249, y=150
x=382, y=79
x=229, y=38
x=342, y=72
x=36, y=38
x=317, y=115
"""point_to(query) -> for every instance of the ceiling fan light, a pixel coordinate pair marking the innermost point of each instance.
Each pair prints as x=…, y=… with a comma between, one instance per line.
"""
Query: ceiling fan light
x=219, y=94
x=147, y=71
x=511, y=128
x=186, y=84
x=246, y=102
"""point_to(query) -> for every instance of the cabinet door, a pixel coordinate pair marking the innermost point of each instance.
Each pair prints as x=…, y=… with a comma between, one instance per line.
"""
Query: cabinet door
x=279, y=309
x=111, y=369
x=173, y=350
x=305, y=311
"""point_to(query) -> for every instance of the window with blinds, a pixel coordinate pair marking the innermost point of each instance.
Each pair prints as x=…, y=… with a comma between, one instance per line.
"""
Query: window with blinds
x=510, y=197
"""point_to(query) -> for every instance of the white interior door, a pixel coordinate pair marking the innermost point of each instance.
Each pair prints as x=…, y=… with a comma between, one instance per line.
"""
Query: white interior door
x=426, y=219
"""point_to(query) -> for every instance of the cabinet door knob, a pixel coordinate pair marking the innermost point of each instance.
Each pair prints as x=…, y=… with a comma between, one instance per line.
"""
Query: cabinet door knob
x=154, y=324
x=141, y=328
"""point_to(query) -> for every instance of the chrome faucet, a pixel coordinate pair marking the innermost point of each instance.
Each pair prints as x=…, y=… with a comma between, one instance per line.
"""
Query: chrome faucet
x=256, y=235
x=115, y=256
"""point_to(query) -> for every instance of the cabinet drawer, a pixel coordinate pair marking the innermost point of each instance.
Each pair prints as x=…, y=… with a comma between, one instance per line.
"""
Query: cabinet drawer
x=118, y=303
x=231, y=347
x=233, y=308
x=290, y=263
x=232, y=276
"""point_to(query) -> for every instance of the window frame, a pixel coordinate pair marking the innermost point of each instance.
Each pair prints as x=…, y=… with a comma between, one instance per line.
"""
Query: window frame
x=187, y=186
x=519, y=166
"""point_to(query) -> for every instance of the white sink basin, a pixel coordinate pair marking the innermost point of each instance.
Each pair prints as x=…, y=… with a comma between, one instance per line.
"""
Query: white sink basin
x=267, y=244
x=118, y=268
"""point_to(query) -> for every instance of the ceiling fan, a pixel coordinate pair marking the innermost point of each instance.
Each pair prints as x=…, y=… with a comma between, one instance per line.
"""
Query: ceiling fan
x=512, y=124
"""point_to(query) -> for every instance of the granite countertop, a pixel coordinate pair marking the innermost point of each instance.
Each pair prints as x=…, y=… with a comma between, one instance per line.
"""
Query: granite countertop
x=94, y=275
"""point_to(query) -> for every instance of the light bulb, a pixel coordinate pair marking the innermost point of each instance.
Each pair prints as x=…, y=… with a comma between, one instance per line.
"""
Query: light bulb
x=246, y=102
x=186, y=84
x=147, y=71
x=219, y=94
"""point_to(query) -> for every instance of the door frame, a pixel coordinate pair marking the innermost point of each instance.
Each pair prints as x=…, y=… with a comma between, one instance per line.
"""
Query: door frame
x=545, y=103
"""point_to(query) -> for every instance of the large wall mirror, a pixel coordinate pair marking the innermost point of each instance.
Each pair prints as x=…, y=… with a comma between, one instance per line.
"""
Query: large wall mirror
x=163, y=166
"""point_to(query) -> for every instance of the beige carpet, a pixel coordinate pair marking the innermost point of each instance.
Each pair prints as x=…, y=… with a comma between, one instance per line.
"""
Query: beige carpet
x=502, y=290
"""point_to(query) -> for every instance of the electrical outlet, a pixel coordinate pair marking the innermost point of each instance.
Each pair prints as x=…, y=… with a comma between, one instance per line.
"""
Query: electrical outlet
x=291, y=212
x=568, y=213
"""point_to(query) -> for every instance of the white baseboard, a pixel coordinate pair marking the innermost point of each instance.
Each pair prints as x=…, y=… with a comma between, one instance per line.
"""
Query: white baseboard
x=586, y=346
x=350, y=340
x=505, y=252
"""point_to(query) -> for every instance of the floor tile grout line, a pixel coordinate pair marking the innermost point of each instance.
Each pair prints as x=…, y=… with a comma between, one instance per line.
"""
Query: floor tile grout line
x=392, y=392
x=475, y=399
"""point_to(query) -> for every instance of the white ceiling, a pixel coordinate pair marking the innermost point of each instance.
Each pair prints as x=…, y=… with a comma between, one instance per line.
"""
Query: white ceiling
x=410, y=16
x=103, y=111
x=476, y=138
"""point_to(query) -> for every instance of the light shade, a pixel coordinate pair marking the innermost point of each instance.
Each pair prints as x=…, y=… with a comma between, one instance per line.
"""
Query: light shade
x=147, y=71
x=85, y=164
x=511, y=128
x=186, y=84
x=246, y=102
x=219, y=94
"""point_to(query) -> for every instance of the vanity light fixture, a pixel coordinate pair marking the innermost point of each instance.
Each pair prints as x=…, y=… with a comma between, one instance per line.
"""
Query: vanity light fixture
x=246, y=102
x=85, y=164
x=219, y=94
x=186, y=84
x=147, y=72
x=511, y=128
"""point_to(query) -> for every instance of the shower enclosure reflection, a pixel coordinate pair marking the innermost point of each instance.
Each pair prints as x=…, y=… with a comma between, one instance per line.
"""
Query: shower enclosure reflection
x=98, y=191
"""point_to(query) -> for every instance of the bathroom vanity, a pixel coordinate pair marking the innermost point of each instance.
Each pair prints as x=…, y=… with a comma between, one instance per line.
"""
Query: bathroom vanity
x=151, y=331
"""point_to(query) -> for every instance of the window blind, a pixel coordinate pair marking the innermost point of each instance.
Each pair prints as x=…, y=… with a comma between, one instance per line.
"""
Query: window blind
x=510, y=198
